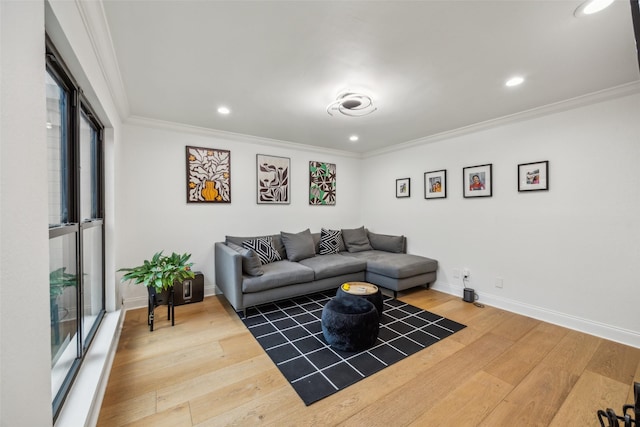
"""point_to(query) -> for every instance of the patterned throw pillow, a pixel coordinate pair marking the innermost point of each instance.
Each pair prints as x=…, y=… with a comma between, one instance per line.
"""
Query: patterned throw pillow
x=263, y=246
x=329, y=241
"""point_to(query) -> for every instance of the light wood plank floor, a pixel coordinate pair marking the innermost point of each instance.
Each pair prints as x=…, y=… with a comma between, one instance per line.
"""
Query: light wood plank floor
x=502, y=370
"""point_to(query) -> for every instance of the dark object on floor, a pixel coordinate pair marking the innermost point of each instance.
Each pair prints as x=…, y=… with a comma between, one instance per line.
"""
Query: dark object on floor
x=189, y=290
x=350, y=323
x=469, y=295
x=374, y=298
x=291, y=334
x=629, y=420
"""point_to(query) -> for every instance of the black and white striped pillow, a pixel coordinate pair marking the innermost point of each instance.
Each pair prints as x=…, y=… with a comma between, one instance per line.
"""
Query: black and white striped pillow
x=263, y=246
x=329, y=241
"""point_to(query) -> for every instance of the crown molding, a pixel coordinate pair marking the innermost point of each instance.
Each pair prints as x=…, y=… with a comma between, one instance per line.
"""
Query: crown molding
x=95, y=23
x=569, y=104
x=231, y=136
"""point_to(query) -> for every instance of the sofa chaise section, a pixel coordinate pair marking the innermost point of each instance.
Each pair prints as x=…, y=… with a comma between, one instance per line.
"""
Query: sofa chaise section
x=397, y=271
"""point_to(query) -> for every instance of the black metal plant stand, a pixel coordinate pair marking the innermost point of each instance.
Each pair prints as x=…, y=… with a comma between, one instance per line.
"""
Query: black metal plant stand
x=629, y=420
x=156, y=299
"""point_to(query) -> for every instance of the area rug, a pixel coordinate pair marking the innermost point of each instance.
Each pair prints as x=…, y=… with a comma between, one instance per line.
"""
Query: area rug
x=291, y=334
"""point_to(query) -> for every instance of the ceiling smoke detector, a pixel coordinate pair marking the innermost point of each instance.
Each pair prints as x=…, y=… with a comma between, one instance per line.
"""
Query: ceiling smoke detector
x=352, y=104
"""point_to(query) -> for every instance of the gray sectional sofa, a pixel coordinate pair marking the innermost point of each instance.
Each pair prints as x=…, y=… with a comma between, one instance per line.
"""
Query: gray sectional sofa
x=256, y=270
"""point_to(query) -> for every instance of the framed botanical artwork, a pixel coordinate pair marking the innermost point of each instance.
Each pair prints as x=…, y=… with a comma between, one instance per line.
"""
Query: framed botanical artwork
x=533, y=176
x=273, y=180
x=435, y=184
x=208, y=175
x=322, y=183
x=403, y=187
x=477, y=181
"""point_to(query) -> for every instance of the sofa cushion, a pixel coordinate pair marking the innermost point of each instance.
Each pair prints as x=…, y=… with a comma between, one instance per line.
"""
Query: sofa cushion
x=278, y=274
x=333, y=265
x=356, y=239
x=251, y=263
x=329, y=241
x=263, y=246
x=277, y=242
x=298, y=245
x=385, y=242
x=397, y=266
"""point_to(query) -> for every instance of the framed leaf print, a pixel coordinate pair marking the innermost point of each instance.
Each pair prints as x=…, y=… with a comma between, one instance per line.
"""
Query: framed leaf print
x=273, y=180
x=322, y=183
x=208, y=175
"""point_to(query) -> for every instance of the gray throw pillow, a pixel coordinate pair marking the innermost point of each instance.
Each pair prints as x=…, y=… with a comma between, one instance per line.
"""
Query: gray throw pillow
x=356, y=239
x=263, y=246
x=385, y=242
x=251, y=264
x=299, y=246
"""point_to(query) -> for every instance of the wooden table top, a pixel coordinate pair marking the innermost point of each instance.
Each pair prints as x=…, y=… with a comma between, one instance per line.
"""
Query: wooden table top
x=359, y=288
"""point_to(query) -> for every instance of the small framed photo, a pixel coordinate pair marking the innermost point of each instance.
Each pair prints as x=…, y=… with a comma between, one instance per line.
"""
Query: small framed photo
x=273, y=180
x=477, y=181
x=403, y=187
x=435, y=184
x=533, y=176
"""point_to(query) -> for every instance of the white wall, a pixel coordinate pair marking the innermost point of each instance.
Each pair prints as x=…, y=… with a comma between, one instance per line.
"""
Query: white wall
x=25, y=359
x=25, y=364
x=568, y=255
x=153, y=214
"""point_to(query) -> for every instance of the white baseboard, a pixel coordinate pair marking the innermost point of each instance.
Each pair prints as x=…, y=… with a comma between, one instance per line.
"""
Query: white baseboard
x=602, y=330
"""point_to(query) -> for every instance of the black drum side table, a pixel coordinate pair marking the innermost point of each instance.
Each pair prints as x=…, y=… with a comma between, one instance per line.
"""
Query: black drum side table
x=365, y=290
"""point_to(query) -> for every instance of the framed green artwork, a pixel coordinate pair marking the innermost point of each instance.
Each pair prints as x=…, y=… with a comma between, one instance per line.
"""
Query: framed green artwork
x=322, y=183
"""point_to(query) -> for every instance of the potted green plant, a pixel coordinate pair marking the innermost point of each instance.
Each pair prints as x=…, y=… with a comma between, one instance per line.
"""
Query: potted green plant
x=159, y=275
x=161, y=272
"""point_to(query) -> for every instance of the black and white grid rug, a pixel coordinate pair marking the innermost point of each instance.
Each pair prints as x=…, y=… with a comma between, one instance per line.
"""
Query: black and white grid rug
x=290, y=331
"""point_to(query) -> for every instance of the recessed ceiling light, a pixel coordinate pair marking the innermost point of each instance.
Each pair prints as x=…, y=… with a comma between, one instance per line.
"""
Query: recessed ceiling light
x=514, y=81
x=224, y=110
x=353, y=138
x=590, y=7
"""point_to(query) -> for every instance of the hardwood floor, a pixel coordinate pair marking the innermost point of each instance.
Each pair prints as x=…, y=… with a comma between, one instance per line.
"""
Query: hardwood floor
x=502, y=370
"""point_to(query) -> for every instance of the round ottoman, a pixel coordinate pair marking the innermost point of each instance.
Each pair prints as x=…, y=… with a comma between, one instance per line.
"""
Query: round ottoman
x=350, y=323
x=363, y=290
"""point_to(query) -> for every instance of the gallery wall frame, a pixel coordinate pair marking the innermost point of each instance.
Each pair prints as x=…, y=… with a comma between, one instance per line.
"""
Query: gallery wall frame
x=322, y=183
x=533, y=176
x=208, y=175
x=477, y=181
x=435, y=184
x=403, y=187
x=273, y=175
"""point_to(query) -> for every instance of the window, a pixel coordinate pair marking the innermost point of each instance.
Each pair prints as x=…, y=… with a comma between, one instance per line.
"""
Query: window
x=76, y=224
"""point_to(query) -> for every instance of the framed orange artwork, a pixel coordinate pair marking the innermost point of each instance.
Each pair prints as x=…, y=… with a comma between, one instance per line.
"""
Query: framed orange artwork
x=208, y=175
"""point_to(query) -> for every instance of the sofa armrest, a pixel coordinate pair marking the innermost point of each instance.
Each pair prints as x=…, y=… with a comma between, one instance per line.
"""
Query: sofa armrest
x=228, y=266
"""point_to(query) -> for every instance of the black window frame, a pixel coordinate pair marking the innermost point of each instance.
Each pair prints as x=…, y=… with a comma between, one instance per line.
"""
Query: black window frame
x=71, y=222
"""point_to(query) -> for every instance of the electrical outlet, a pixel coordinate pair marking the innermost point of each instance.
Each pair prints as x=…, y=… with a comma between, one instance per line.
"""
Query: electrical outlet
x=456, y=273
x=466, y=273
x=499, y=282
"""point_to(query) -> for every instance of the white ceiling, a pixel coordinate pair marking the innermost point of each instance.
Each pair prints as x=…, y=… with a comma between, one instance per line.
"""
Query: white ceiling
x=430, y=66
